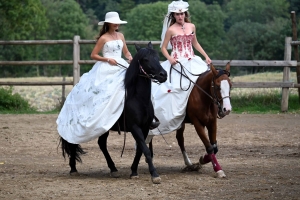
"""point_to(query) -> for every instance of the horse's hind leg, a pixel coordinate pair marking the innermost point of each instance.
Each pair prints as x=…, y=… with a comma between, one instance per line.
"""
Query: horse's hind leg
x=72, y=161
x=149, y=141
x=180, y=141
x=102, y=142
x=73, y=151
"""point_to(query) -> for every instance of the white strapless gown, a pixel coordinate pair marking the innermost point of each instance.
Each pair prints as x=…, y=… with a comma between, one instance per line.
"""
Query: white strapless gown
x=169, y=100
x=97, y=101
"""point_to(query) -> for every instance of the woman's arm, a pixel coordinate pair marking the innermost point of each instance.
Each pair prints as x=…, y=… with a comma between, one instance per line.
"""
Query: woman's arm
x=198, y=47
x=164, y=47
x=126, y=52
x=98, y=47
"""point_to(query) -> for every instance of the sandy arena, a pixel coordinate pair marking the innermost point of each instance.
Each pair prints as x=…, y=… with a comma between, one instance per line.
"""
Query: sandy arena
x=260, y=155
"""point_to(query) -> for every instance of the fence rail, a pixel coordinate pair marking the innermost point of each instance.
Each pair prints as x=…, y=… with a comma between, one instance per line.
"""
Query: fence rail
x=287, y=63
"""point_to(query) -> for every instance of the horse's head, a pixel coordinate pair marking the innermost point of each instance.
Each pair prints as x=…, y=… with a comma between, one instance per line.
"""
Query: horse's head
x=149, y=63
x=221, y=86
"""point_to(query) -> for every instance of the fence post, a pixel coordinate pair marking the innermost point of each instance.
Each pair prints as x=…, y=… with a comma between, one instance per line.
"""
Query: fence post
x=286, y=74
x=296, y=54
x=76, y=58
x=63, y=92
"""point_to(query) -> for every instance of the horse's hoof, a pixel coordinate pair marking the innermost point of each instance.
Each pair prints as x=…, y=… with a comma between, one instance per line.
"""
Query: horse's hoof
x=134, y=176
x=220, y=174
x=156, y=180
x=115, y=174
x=74, y=174
x=193, y=167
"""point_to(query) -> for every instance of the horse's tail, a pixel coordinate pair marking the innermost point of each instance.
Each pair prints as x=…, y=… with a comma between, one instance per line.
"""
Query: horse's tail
x=72, y=150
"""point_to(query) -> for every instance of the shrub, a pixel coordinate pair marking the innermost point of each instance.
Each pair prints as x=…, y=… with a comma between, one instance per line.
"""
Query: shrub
x=13, y=102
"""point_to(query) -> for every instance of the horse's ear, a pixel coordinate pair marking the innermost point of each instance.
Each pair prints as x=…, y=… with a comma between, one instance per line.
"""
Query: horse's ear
x=150, y=46
x=213, y=69
x=228, y=66
x=137, y=47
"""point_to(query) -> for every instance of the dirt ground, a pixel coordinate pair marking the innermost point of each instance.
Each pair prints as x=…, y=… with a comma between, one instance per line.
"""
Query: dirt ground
x=260, y=155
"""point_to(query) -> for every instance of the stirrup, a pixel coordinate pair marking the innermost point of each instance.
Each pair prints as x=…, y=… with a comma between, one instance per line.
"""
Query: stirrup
x=154, y=125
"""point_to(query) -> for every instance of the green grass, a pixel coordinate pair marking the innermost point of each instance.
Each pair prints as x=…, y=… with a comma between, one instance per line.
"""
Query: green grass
x=27, y=100
x=263, y=103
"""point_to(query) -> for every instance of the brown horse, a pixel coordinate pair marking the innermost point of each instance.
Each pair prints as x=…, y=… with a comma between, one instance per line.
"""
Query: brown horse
x=208, y=100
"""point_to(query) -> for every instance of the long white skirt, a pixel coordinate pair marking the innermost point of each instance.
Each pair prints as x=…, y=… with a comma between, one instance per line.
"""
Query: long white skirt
x=169, y=100
x=94, y=104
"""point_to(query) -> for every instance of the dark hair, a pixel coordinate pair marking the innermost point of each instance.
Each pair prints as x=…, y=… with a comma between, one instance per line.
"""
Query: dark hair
x=172, y=19
x=103, y=30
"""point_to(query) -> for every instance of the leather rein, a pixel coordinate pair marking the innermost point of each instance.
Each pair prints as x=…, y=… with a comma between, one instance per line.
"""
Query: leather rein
x=215, y=97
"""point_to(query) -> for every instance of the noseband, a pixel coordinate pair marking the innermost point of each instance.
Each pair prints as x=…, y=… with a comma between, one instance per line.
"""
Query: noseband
x=150, y=76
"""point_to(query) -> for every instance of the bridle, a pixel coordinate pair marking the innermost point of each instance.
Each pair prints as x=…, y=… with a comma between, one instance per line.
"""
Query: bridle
x=144, y=73
x=215, y=97
x=215, y=88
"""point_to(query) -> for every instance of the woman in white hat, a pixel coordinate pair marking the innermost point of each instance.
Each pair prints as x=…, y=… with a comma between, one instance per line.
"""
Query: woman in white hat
x=97, y=101
x=170, y=98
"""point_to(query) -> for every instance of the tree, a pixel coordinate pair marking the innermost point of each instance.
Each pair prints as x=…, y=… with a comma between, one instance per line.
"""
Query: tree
x=21, y=20
x=257, y=29
x=66, y=19
x=209, y=20
x=146, y=22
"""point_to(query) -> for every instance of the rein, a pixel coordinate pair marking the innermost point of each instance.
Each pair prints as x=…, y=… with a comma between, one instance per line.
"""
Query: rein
x=150, y=76
x=215, y=99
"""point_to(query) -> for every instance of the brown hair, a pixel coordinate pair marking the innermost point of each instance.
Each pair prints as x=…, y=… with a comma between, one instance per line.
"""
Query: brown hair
x=103, y=30
x=172, y=19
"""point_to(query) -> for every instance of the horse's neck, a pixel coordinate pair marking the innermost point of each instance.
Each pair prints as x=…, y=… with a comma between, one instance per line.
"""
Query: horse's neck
x=205, y=83
x=143, y=89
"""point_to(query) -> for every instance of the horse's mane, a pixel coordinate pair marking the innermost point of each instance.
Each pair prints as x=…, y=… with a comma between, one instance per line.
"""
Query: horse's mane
x=134, y=69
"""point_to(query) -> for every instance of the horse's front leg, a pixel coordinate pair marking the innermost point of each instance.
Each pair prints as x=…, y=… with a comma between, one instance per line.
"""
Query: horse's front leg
x=139, y=137
x=210, y=154
x=180, y=141
x=102, y=142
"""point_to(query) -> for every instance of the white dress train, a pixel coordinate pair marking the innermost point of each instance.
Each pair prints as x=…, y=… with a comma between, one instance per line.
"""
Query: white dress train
x=96, y=101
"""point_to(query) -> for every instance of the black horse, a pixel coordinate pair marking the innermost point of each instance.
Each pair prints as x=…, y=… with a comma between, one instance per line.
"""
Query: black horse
x=137, y=115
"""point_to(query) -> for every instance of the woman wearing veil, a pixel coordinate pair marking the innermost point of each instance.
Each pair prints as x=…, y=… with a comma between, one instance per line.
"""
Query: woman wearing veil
x=170, y=98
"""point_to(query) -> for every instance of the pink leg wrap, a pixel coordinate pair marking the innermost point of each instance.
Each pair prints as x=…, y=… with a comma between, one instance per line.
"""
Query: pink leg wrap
x=205, y=159
x=215, y=163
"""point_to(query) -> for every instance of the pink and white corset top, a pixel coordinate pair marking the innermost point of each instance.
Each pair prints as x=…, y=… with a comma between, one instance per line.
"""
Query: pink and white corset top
x=182, y=46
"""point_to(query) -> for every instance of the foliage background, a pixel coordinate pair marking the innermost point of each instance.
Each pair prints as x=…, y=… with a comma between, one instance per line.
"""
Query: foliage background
x=226, y=29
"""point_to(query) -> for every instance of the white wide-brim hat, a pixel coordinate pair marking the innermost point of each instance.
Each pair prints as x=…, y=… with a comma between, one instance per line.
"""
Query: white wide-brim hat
x=178, y=6
x=113, y=18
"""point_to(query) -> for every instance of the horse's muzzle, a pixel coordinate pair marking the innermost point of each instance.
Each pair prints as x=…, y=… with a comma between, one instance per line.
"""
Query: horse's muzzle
x=162, y=76
x=223, y=113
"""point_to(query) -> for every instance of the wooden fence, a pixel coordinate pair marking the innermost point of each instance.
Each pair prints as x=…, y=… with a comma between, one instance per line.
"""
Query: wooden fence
x=287, y=63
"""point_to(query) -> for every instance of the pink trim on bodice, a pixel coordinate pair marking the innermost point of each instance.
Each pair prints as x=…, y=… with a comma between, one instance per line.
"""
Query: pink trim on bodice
x=182, y=46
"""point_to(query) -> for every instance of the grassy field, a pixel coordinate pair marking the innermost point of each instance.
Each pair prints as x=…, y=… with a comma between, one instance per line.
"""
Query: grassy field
x=46, y=98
